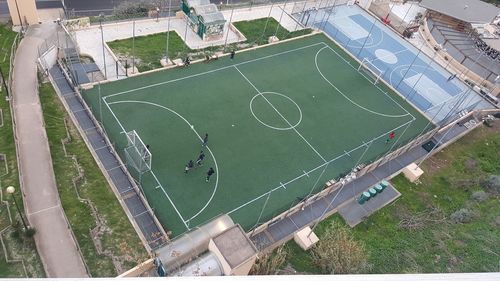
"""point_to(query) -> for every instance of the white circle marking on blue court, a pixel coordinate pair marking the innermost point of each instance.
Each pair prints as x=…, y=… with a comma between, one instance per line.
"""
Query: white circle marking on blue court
x=386, y=56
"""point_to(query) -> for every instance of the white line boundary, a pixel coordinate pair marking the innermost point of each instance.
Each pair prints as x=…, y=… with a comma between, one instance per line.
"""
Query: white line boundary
x=281, y=115
x=305, y=173
x=318, y=167
x=382, y=91
x=166, y=194
x=350, y=100
x=214, y=70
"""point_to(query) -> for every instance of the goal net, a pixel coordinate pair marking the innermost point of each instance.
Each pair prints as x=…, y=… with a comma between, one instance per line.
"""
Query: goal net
x=137, y=154
x=370, y=71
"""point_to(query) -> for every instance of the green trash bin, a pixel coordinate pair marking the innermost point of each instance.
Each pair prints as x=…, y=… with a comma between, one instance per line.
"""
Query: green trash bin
x=378, y=188
x=384, y=184
x=365, y=196
x=373, y=192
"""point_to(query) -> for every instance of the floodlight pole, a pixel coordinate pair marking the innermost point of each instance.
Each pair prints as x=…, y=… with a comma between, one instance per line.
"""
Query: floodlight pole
x=227, y=34
x=411, y=64
x=281, y=17
x=422, y=74
x=168, y=29
x=330, y=14
x=366, y=39
x=324, y=14
x=19, y=15
x=267, y=20
x=11, y=191
x=133, y=46
x=101, y=17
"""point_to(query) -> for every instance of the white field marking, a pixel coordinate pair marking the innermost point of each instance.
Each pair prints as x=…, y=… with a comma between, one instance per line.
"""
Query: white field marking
x=305, y=173
x=272, y=127
x=347, y=98
x=355, y=40
x=283, y=117
x=314, y=169
x=381, y=58
x=199, y=137
x=402, y=70
x=382, y=91
x=446, y=101
x=213, y=70
x=164, y=192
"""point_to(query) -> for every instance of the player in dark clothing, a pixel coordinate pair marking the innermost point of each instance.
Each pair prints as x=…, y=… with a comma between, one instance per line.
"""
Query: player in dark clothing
x=209, y=174
x=232, y=55
x=200, y=158
x=189, y=166
x=205, y=140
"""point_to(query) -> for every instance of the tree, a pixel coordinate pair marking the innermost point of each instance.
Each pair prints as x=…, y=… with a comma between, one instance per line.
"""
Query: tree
x=270, y=263
x=338, y=252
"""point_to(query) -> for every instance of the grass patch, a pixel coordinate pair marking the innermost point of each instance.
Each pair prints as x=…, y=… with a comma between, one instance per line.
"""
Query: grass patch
x=450, y=180
x=17, y=248
x=120, y=247
x=150, y=49
x=258, y=31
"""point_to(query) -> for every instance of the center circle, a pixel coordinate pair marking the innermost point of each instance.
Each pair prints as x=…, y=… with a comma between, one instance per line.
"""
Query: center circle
x=386, y=56
x=283, y=115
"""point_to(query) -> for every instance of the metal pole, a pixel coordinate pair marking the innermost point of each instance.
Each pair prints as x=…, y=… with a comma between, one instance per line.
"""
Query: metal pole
x=19, y=15
x=324, y=15
x=103, y=53
x=168, y=29
x=186, y=31
x=19, y=211
x=227, y=34
x=421, y=75
x=368, y=145
x=332, y=11
x=100, y=101
x=281, y=17
x=4, y=84
x=406, y=14
x=267, y=21
x=133, y=46
x=366, y=39
x=411, y=64
x=317, y=12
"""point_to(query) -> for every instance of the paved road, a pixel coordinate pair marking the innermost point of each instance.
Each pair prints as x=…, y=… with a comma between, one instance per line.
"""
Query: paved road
x=54, y=240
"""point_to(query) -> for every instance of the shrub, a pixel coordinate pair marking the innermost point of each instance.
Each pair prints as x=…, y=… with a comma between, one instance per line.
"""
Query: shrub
x=269, y=264
x=338, y=252
x=132, y=10
x=30, y=232
x=492, y=184
x=480, y=196
x=462, y=216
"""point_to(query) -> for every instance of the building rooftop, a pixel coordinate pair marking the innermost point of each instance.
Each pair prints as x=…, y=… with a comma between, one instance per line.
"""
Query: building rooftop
x=235, y=246
x=471, y=11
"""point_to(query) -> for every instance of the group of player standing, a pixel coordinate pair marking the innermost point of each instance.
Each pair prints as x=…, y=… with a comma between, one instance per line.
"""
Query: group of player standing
x=199, y=162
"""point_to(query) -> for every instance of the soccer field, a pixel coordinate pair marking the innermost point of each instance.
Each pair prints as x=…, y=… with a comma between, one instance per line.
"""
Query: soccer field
x=282, y=120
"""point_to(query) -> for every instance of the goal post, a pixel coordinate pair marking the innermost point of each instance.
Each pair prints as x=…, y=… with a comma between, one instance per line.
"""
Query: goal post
x=137, y=153
x=370, y=71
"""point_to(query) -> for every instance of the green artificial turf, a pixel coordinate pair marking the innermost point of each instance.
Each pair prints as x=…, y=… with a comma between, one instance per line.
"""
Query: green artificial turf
x=282, y=120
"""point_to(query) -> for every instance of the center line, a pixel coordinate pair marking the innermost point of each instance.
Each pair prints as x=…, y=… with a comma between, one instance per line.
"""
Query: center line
x=283, y=117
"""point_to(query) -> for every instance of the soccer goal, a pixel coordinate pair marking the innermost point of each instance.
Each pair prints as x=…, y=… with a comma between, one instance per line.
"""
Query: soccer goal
x=137, y=153
x=369, y=70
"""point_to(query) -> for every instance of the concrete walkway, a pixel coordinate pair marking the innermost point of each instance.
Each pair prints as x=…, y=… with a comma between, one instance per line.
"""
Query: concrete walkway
x=90, y=43
x=56, y=246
